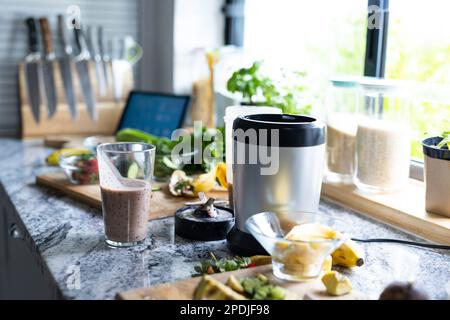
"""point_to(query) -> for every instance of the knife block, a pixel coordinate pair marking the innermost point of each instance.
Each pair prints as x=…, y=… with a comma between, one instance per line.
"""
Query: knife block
x=61, y=123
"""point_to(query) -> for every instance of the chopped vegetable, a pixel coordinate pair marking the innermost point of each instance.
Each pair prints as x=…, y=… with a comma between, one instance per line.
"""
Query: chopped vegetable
x=256, y=288
x=214, y=265
x=259, y=288
x=87, y=169
x=133, y=171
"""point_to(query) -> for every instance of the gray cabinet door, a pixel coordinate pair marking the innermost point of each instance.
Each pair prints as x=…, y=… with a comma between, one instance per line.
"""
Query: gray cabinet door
x=23, y=274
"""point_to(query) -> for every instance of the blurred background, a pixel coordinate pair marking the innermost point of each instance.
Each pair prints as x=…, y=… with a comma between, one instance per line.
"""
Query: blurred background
x=193, y=47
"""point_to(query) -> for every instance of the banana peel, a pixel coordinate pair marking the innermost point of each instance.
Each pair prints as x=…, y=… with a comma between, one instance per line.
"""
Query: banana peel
x=221, y=175
x=53, y=158
x=349, y=255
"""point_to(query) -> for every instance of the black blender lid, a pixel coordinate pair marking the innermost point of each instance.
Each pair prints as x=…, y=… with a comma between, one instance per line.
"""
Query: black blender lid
x=294, y=130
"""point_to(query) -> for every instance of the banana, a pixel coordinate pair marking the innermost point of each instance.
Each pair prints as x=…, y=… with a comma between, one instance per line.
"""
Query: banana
x=349, y=254
x=261, y=260
x=205, y=182
x=212, y=289
x=326, y=267
x=53, y=158
x=336, y=283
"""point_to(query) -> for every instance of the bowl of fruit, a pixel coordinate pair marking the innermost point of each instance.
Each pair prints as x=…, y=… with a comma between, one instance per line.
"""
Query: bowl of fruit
x=299, y=242
x=80, y=169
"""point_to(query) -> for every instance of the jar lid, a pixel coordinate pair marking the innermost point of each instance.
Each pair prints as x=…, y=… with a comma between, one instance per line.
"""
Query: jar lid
x=345, y=81
x=293, y=130
x=387, y=87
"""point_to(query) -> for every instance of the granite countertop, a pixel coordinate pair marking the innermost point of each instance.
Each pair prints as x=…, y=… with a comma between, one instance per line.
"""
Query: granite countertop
x=69, y=239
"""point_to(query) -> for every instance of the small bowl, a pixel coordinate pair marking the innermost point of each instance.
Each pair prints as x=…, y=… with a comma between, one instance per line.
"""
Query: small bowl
x=80, y=169
x=295, y=260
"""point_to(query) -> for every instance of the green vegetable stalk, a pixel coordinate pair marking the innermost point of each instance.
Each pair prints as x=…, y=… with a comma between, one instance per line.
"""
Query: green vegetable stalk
x=164, y=146
x=214, y=265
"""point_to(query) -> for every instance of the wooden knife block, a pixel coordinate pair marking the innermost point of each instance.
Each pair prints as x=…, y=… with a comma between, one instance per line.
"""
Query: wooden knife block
x=109, y=110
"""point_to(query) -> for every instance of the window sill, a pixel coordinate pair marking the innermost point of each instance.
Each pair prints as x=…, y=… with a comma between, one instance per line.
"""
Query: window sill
x=403, y=210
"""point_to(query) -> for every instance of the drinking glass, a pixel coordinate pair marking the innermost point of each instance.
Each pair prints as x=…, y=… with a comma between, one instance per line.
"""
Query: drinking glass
x=125, y=172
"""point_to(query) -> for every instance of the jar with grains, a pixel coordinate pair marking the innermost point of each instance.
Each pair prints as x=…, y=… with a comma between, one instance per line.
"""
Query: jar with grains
x=341, y=110
x=383, y=138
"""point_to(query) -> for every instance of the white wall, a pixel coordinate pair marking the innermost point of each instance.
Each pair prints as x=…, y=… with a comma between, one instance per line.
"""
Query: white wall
x=197, y=24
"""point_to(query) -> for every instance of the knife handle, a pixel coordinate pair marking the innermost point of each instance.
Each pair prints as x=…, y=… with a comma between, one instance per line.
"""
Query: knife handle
x=62, y=35
x=46, y=36
x=32, y=35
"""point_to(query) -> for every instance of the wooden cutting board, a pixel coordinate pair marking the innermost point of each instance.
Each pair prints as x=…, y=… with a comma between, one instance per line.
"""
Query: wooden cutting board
x=163, y=204
x=184, y=289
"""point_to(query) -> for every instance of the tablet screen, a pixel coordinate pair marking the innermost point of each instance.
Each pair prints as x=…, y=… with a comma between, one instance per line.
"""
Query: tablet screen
x=157, y=114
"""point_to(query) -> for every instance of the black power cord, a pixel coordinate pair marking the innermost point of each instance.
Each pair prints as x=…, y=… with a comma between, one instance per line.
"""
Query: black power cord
x=411, y=243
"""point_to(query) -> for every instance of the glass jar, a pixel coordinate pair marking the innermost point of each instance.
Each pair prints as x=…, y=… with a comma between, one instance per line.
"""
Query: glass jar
x=341, y=112
x=383, y=138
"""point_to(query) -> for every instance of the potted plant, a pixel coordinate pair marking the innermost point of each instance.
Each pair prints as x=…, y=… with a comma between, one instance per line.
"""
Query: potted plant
x=437, y=173
x=257, y=89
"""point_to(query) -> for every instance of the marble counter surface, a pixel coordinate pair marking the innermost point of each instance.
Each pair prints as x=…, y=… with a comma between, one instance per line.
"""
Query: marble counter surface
x=69, y=238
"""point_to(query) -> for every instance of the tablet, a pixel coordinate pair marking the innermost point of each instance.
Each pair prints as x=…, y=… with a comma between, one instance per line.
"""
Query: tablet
x=155, y=113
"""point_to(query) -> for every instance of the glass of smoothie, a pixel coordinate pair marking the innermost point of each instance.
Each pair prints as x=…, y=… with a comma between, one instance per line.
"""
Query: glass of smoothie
x=125, y=172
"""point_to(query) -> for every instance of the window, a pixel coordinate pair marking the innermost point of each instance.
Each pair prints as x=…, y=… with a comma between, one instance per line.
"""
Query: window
x=419, y=49
x=319, y=37
x=325, y=38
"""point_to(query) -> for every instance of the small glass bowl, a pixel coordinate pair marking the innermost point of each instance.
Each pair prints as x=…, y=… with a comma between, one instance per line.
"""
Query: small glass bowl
x=295, y=260
x=80, y=169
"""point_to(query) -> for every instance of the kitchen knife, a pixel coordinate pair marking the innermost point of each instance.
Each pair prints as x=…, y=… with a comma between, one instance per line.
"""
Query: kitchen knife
x=32, y=70
x=82, y=66
x=47, y=67
x=103, y=55
x=65, y=67
x=92, y=45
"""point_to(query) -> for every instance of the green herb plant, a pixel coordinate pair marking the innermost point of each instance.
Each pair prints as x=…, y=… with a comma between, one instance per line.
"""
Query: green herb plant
x=259, y=89
x=445, y=140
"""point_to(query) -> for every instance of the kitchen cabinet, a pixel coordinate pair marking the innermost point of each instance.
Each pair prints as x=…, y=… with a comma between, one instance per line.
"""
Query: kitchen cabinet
x=23, y=275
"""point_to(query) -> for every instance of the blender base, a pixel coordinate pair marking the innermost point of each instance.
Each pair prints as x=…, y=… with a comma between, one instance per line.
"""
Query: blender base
x=244, y=244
